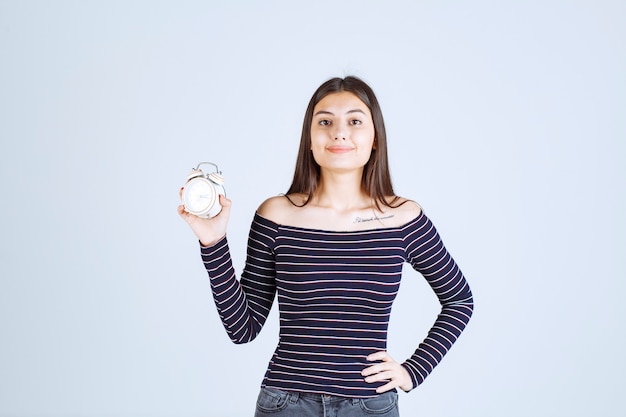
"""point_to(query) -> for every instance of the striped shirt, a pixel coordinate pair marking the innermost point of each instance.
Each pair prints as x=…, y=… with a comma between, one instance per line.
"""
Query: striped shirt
x=335, y=292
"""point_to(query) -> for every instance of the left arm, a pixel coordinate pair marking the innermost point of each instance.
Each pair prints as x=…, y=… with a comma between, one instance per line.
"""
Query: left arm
x=427, y=254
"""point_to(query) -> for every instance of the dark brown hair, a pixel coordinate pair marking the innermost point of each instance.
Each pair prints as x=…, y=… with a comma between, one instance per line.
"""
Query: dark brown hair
x=376, y=180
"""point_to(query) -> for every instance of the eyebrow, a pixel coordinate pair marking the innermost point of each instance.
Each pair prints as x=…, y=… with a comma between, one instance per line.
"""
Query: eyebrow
x=332, y=114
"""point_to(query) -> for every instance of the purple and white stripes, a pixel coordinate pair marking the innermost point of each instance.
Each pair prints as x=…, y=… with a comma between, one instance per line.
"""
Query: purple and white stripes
x=335, y=292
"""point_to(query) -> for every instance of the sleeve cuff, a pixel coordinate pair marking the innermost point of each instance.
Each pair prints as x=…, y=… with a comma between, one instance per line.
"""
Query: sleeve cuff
x=218, y=242
x=411, y=374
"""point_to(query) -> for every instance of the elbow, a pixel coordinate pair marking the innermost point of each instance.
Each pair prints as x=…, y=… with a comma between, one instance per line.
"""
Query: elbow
x=463, y=303
x=240, y=338
x=470, y=307
x=242, y=341
x=467, y=300
x=468, y=304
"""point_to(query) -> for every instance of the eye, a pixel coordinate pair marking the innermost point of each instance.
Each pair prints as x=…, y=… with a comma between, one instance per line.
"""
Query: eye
x=324, y=122
x=355, y=122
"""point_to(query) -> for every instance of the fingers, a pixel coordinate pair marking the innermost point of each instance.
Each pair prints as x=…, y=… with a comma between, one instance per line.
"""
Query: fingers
x=207, y=230
x=183, y=213
x=387, y=387
x=225, y=202
x=388, y=371
x=379, y=356
x=379, y=367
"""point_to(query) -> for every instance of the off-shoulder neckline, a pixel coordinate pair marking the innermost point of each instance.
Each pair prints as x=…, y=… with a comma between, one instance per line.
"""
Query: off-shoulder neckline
x=316, y=230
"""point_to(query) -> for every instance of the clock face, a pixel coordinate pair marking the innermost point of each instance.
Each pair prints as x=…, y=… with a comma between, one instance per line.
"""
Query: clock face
x=198, y=196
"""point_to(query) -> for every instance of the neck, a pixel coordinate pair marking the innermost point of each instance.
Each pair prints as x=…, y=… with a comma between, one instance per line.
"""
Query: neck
x=341, y=192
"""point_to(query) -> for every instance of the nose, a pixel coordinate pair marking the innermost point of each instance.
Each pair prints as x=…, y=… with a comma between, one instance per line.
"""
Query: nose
x=339, y=133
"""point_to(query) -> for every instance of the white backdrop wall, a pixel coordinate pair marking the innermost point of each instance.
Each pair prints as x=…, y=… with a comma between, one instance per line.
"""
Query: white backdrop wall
x=505, y=121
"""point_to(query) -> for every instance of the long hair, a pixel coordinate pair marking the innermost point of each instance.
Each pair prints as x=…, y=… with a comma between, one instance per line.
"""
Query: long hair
x=376, y=180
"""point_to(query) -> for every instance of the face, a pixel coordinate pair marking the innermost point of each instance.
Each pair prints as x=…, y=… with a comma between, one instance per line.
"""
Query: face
x=342, y=132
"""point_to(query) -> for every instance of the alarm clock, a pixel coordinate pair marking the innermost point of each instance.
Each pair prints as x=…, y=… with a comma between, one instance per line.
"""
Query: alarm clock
x=201, y=192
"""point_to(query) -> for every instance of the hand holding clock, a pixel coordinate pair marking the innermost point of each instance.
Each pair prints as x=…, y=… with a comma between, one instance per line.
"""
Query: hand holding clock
x=208, y=231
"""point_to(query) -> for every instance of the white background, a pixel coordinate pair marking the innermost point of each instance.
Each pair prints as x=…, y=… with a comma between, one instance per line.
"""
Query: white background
x=506, y=122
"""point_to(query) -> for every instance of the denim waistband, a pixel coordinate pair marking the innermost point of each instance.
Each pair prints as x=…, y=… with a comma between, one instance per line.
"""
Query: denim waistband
x=322, y=398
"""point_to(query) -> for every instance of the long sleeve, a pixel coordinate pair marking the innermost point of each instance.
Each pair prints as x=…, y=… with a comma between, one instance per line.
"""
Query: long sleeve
x=428, y=255
x=243, y=305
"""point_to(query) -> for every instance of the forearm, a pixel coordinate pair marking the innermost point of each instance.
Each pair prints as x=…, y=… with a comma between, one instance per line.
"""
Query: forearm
x=229, y=297
x=446, y=330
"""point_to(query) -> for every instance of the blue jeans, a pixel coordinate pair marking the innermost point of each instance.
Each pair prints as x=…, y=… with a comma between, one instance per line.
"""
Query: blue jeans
x=276, y=403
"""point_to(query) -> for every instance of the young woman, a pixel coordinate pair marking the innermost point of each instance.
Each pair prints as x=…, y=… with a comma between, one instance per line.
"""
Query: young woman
x=333, y=248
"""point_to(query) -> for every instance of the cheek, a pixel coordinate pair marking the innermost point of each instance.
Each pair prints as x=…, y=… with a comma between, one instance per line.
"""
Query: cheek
x=316, y=152
x=369, y=144
x=367, y=150
x=317, y=142
x=367, y=156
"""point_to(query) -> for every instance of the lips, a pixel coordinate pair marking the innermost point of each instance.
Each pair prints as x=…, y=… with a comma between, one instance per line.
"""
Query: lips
x=339, y=149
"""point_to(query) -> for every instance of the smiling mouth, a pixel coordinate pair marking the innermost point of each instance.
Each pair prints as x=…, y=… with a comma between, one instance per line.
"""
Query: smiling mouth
x=339, y=149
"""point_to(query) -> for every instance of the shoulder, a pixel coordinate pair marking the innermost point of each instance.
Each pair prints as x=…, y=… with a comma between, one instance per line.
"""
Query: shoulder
x=280, y=208
x=403, y=210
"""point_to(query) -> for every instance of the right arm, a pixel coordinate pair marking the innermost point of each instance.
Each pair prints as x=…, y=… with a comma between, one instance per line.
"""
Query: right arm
x=244, y=305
